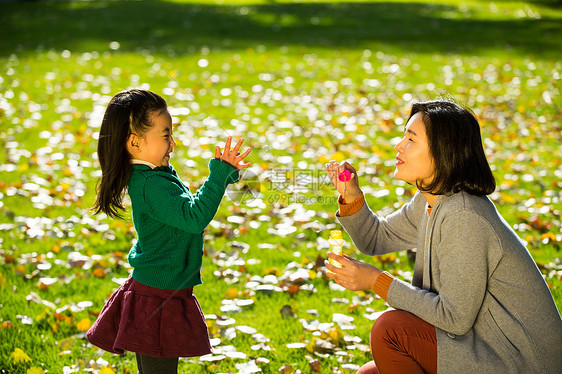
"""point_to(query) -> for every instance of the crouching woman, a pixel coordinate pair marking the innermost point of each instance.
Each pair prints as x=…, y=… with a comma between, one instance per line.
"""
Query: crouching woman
x=477, y=302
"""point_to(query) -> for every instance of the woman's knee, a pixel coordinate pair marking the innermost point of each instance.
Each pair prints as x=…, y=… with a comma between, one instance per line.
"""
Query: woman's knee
x=387, y=322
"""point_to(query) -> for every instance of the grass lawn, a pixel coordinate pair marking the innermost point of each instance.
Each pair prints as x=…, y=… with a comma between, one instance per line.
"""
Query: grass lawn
x=302, y=82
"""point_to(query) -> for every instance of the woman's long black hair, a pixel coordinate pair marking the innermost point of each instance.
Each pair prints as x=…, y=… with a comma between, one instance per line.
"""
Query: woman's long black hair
x=127, y=112
x=455, y=144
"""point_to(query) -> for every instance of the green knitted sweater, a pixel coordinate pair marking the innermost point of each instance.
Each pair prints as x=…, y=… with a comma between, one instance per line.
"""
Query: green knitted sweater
x=169, y=221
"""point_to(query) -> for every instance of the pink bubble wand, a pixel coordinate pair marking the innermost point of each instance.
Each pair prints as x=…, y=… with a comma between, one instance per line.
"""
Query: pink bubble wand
x=344, y=176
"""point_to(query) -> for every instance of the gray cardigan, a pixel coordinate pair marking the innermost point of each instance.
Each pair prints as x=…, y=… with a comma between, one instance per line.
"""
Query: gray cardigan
x=474, y=280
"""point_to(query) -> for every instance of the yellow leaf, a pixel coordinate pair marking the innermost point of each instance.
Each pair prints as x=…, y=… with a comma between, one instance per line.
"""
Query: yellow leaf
x=323, y=159
x=338, y=156
x=231, y=293
x=212, y=327
x=84, y=325
x=548, y=235
x=271, y=271
x=2, y=280
x=45, y=314
x=336, y=335
x=102, y=263
x=20, y=270
x=66, y=343
x=310, y=345
x=508, y=199
x=106, y=370
x=35, y=370
x=388, y=258
x=69, y=322
x=19, y=357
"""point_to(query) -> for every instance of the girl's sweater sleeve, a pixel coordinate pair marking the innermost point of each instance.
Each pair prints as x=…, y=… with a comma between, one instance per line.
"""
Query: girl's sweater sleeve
x=173, y=205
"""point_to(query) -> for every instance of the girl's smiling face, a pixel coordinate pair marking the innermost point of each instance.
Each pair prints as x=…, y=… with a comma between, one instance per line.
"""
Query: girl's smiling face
x=156, y=145
x=414, y=163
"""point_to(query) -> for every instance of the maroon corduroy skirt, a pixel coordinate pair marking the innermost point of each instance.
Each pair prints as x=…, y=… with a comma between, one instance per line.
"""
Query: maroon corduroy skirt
x=151, y=321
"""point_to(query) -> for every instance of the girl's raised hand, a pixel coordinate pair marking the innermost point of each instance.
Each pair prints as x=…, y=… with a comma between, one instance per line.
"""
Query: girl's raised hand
x=233, y=157
x=348, y=189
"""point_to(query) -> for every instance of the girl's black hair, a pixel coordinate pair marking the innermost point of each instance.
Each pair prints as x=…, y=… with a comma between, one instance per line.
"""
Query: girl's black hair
x=128, y=112
x=455, y=143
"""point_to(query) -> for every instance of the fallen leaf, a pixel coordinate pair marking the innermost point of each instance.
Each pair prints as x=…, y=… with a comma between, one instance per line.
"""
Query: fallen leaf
x=315, y=366
x=336, y=335
x=99, y=272
x=285, y=369
x=66, y=343
x=84, y=325
x=35, y=370
x=320, y=346
x=231, y=293
x=46, y=282
x=293, y=289
x=288, y=311
x=20, y=357
x=296, y=345
x=247, y=367
x=212, y=358
x=26, y=320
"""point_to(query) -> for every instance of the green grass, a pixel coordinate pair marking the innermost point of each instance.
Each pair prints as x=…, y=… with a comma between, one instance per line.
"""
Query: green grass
x=342, y=73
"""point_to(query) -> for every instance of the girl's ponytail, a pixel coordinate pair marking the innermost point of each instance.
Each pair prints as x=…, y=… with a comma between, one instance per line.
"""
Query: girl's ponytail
x=127, y=112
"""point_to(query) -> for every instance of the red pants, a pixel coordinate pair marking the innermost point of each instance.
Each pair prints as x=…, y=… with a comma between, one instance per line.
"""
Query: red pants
x=402, y=343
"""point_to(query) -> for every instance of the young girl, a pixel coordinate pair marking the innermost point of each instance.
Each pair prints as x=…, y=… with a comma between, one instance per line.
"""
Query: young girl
x=477, y=302
x=154, y=313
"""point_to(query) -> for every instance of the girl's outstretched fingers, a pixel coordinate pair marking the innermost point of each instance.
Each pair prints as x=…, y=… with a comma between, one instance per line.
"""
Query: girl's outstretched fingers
x=233, y=157
x=243, y=156
x=227, y=145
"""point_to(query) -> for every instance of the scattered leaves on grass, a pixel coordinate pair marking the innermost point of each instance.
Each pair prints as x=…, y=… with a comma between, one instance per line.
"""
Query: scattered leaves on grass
x=520, y=128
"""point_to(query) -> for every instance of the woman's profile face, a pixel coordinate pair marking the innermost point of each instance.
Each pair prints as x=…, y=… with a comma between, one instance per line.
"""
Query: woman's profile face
x=414, y=163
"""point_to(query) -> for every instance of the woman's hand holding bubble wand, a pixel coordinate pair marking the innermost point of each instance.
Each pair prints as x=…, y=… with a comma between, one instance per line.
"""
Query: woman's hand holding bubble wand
x=344, y=176
x=344, y=179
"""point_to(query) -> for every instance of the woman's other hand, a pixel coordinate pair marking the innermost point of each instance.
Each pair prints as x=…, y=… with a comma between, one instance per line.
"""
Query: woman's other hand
x=233, y=157
x=348, y=190
x=353, y=275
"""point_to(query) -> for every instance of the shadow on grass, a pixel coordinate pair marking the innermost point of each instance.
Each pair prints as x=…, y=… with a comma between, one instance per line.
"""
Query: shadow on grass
x=177, y=28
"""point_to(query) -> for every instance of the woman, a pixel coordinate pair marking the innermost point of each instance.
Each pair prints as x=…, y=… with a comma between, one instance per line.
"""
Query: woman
x=477, y=302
